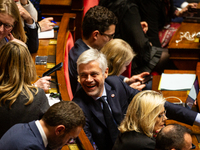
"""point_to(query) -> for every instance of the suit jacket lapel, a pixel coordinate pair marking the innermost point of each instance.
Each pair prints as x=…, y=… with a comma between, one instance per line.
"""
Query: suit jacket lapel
x=36, y=132
x=96, y=109
x=114, y=104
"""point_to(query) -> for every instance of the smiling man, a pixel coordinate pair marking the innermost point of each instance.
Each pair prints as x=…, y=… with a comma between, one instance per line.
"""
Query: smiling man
x=60, y=124
x=98, y=28
x=93, y=73
x=104, y=100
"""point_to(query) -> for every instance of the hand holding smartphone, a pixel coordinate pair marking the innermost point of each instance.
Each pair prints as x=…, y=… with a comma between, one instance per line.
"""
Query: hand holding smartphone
x=147, y=79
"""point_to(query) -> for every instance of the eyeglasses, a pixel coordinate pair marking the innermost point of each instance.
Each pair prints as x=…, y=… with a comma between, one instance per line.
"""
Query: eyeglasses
x=110, y=36
x=162, y=115
x=6, y=26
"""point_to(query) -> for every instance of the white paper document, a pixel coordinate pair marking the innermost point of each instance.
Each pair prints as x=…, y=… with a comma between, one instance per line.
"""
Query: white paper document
x=46, y=34
x=177, y=81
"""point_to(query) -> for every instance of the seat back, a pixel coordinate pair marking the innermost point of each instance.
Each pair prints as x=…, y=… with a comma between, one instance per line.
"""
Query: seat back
x=88, y=4
x=127, y=72
x=68, y=46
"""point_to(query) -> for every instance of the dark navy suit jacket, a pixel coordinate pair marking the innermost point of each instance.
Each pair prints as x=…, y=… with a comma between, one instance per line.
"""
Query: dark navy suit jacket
x=32, y=38
x=22, y=137
x=74, y=53
x=119, y=95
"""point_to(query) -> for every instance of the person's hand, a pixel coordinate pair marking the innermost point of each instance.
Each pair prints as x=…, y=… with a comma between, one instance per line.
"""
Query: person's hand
x=24, y=2
x=189, y=10
x=135, y=78
x=144, y=26
x=138, y=85
x=10, y=37
x=43, y=83
x=24, y=14
x=46, y=24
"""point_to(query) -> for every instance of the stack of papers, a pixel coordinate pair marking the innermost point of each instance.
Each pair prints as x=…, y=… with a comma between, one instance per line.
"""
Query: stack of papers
x=176, y=81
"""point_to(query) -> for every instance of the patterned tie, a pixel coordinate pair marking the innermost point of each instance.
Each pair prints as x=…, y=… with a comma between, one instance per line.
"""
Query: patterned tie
x=112, y=127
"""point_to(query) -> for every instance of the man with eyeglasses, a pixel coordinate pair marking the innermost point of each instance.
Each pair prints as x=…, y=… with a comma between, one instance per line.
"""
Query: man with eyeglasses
x=59, y=125
x=98, y=28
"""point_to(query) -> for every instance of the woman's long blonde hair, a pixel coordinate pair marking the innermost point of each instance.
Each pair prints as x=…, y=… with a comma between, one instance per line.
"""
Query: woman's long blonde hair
x=17, y=71
x=142, y=112
x=118, y=52
x=9, y=7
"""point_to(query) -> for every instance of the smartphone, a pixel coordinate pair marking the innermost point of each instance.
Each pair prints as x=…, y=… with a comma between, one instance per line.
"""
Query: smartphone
x=193, y=146
x=192, y=10
x=55, y=68
x=147, y=79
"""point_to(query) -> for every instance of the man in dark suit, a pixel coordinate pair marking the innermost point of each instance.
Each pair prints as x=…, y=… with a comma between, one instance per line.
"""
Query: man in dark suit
x=174, y=137
x=60, y=124
x=98, y=28
x=93, y=73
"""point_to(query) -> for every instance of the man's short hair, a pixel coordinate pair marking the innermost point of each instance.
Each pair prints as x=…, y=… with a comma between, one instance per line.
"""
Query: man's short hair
x=97, y=18
x=65, y=113
x=92, y=55
x=172, y=137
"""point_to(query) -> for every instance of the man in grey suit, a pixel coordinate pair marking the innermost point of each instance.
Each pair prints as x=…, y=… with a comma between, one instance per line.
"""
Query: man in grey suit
x=60, y=124
x=96, y=85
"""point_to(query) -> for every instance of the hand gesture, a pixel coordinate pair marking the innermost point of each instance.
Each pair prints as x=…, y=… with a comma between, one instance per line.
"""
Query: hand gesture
x=46, y=24
x=43, y=83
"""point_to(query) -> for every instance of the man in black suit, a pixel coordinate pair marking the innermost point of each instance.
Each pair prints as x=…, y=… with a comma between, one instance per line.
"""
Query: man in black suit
x=93, y=74
x=98, y=28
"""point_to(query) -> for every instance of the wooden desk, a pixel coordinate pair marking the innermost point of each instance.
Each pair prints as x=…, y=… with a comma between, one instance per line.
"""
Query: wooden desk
x=183, y=96
x=46, y=49
x=56, y=9
x=185, y=54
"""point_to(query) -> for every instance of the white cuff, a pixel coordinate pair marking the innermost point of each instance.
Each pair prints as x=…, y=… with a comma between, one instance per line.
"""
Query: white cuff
x=197, y=120
x=32, y=26
x=184, y=4
x=125, y=79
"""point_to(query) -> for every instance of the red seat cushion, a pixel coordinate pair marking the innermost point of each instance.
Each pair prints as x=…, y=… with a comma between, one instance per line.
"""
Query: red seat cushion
x=69, y=45
x=127, y=72
x=88, y=4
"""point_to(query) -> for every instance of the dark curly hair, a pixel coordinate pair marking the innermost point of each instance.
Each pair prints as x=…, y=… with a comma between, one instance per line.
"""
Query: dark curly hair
x=97, y=18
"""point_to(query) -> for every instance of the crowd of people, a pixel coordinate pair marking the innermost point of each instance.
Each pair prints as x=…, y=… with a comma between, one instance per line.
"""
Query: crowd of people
x=115, y=112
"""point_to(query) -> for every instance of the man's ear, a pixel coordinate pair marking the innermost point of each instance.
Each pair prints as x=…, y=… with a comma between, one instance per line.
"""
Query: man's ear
x=106, y=73
x=60, y=129
x=95, y=34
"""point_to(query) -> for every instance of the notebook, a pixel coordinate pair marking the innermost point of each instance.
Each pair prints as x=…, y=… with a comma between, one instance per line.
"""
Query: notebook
x=192, y=96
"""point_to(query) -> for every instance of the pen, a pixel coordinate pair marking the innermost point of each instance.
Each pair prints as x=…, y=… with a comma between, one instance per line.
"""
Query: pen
x=51, y=81
x=51, y=21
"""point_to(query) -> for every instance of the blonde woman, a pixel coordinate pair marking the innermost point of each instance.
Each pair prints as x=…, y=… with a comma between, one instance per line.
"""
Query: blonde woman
x=145, y=116
x=11, y=25
x=119, y=55
x=20, y=101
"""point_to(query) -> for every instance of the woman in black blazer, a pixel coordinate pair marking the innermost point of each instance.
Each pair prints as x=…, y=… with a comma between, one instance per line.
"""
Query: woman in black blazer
x=145, y=116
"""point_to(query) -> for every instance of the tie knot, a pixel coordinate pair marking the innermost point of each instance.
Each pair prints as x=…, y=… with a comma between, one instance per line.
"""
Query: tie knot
x=102, y=99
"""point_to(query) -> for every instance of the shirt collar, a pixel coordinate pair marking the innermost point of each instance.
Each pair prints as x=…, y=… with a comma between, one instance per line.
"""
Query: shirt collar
x=104, y=94
x=44, y=137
